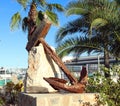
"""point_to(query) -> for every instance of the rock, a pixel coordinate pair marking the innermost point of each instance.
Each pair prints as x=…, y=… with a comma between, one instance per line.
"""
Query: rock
x=40, y=65
x=14, y=79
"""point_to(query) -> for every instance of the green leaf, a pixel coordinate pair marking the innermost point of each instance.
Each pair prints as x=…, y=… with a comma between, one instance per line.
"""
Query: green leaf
x=76, y=8
x=55, y=6
x=76, y=11
x=52, y=17
x=23, y=3
x=41, y=2
x=117, y=35
x=15, y=21
x=98, y=22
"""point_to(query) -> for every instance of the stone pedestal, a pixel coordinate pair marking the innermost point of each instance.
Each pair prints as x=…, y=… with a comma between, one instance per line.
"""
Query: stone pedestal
x=56, y=99
x=40, y=65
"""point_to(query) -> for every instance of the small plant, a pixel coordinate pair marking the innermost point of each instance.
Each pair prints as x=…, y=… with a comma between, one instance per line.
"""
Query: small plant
x=10, y=95
x=2, y=103
x=107, y=87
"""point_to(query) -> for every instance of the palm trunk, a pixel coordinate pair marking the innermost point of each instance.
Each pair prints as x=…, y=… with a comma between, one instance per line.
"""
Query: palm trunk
x=32, y=16
x=106, y=59
x=106, y=54
x=33, y=12
x=106, y=62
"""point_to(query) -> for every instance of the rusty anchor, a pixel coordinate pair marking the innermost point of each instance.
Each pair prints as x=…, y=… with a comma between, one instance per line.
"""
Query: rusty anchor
x=75, y=86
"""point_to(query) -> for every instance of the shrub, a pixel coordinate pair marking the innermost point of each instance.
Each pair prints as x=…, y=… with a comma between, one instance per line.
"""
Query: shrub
x=108, y=88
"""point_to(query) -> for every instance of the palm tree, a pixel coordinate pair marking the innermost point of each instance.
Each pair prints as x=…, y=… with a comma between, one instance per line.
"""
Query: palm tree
x=35, y=17
x=97, y=18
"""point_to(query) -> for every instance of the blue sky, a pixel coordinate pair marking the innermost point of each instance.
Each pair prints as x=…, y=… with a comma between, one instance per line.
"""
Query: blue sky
x=13, y=43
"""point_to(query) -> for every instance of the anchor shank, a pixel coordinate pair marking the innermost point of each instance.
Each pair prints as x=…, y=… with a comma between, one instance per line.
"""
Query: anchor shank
x=58, y=61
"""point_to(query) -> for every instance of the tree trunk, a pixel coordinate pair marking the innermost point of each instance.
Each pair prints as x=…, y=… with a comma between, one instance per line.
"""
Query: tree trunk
x=106, y=59
x=106, y=62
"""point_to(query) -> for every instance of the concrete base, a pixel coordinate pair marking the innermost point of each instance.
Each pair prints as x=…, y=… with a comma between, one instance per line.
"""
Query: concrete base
x=56, y=99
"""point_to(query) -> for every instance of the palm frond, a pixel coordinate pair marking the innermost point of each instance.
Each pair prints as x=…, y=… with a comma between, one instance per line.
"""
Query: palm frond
x=76, y=8
x=76, y=11
x=78, y=45
x=54, y=7
x=97, y=23
x=15, y=21
x=114, y=47
x=52, y=17
x=107, y=11
x=77, y=25
x=23, y=3
x=117, y=35
x=40, y=2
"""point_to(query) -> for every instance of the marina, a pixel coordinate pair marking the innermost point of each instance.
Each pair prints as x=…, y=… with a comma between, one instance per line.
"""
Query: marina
x=7, y=75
